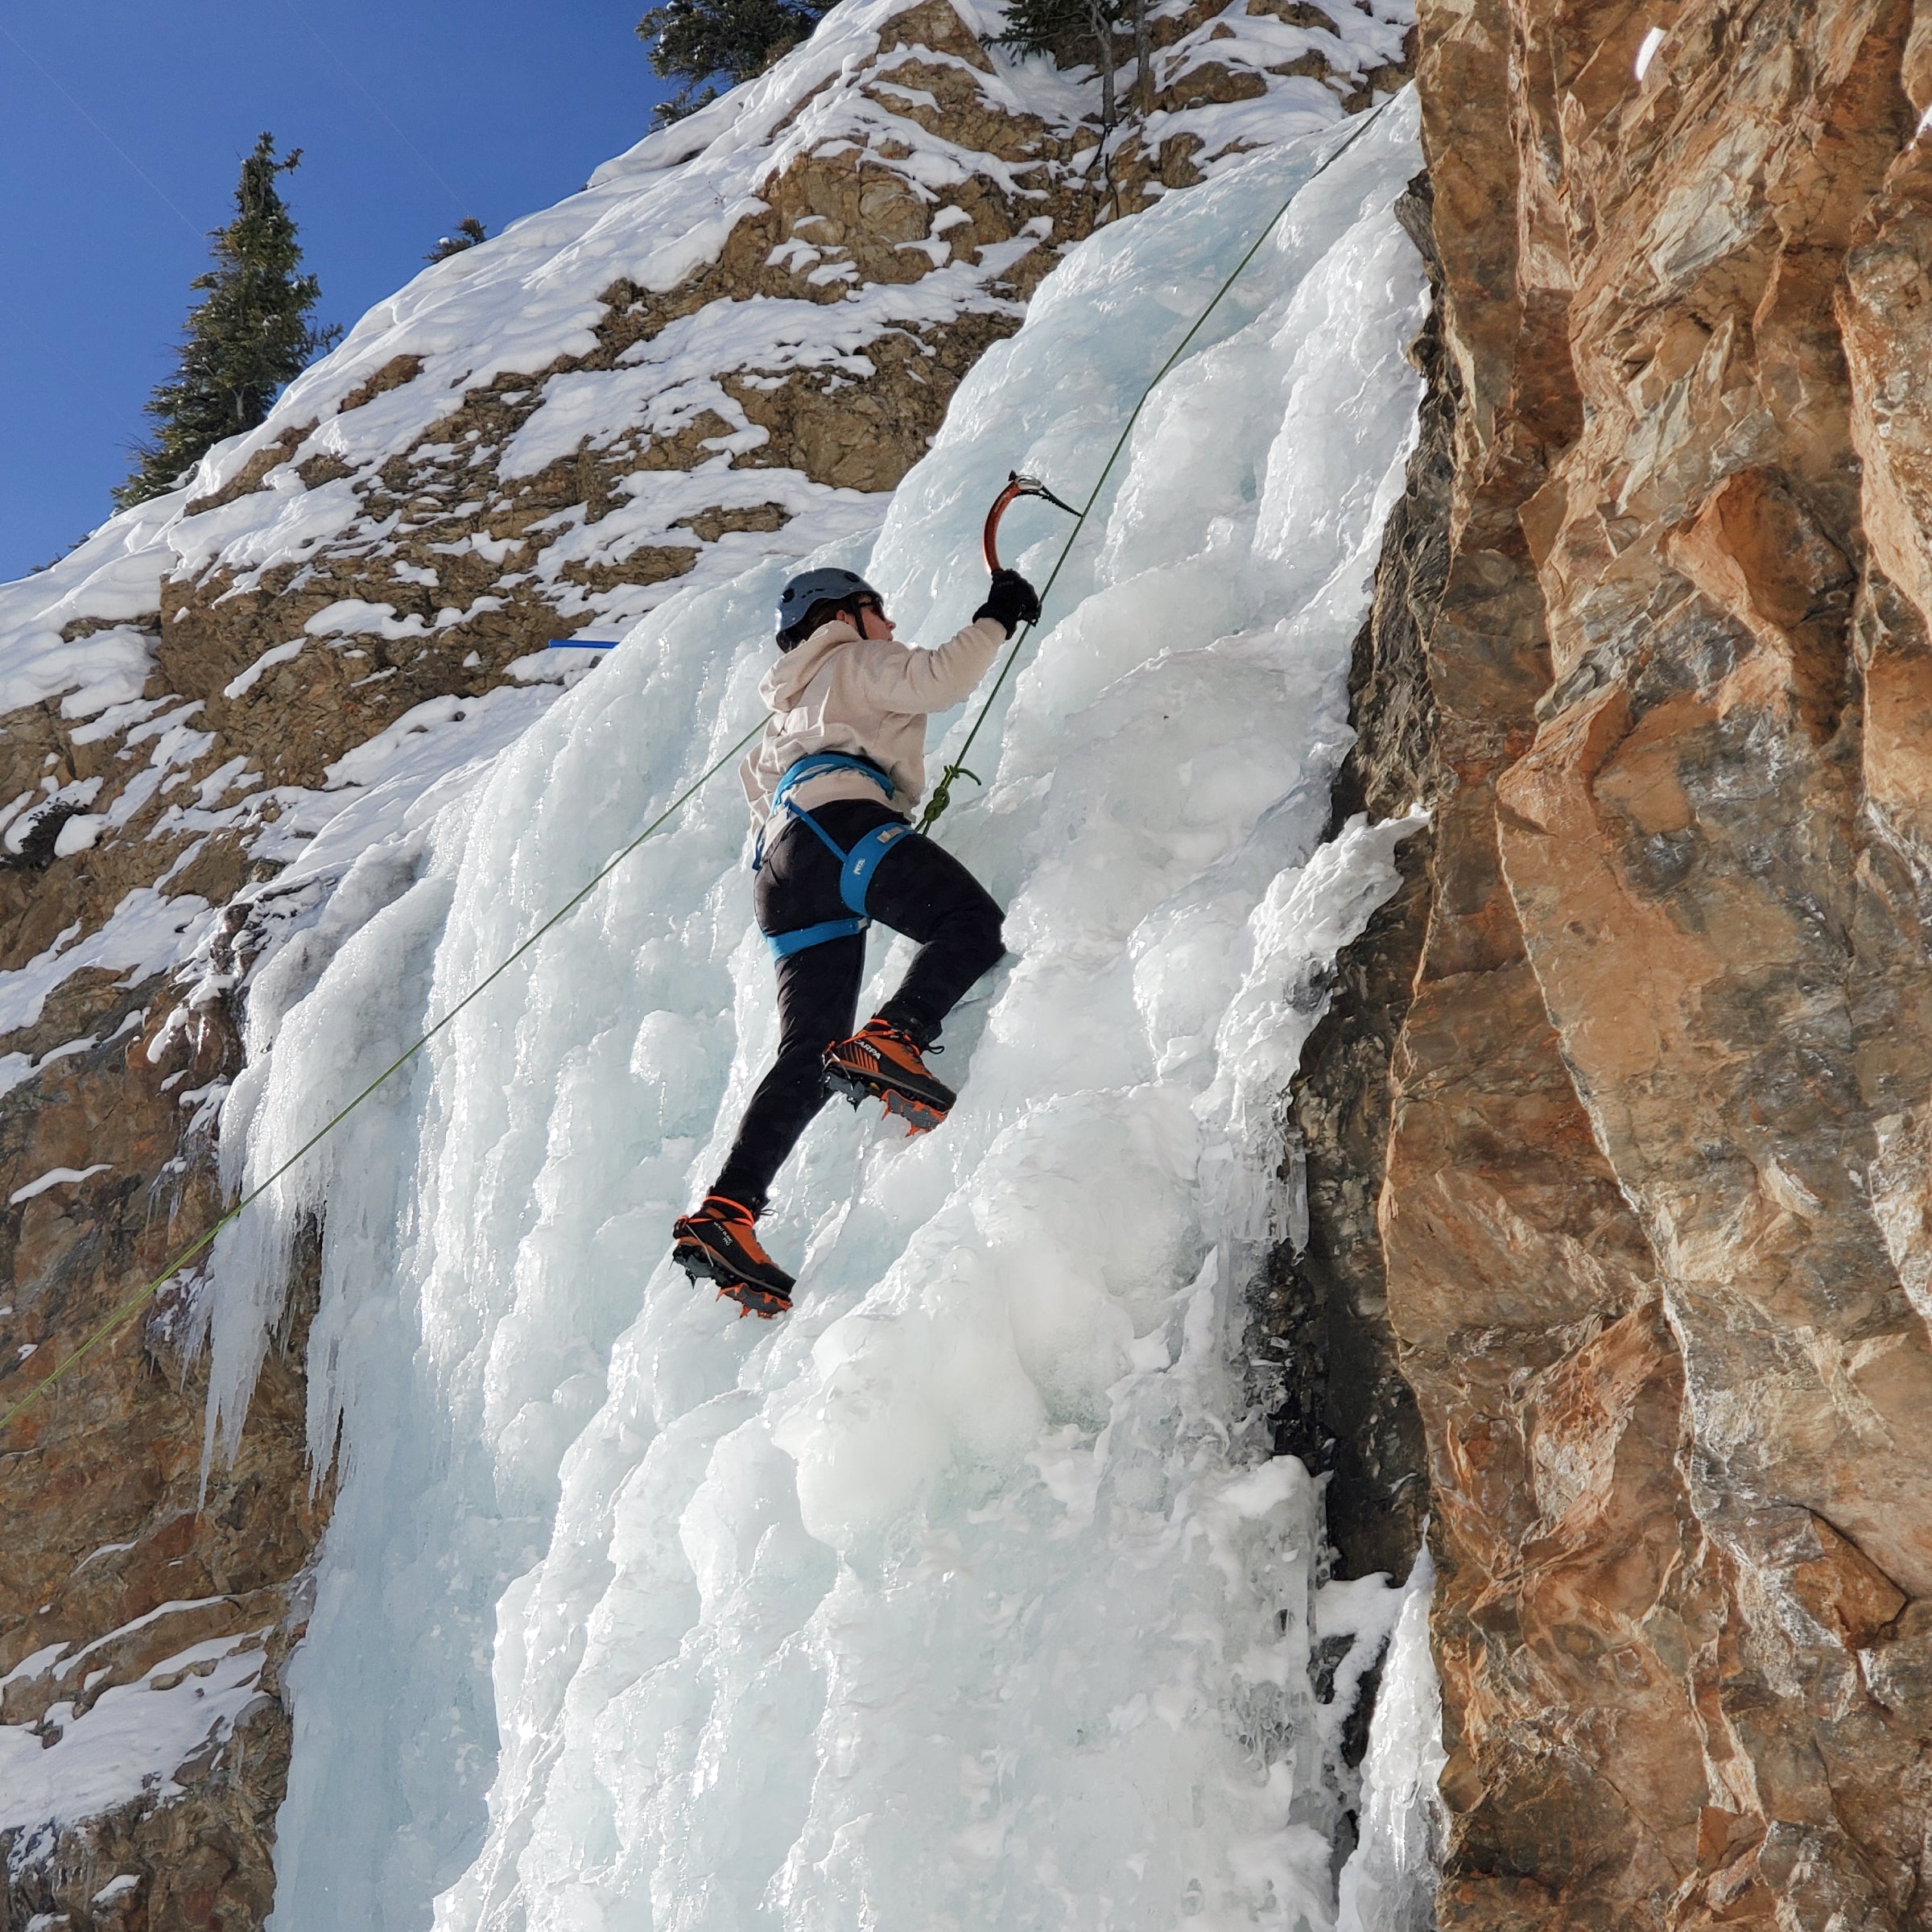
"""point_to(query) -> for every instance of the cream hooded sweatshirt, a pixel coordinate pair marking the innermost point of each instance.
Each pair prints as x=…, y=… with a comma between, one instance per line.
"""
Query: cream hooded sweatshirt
x=838, y=691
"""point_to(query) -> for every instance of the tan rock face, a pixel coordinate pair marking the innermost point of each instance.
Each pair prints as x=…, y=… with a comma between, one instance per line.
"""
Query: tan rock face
x=1654, y=1210
x=122, y=1578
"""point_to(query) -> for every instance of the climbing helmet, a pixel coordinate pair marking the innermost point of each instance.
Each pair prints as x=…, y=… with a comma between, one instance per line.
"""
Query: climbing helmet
x=811, y=588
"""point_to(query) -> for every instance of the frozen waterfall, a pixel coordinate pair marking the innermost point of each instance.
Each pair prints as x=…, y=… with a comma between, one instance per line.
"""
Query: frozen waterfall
x=968, y=1596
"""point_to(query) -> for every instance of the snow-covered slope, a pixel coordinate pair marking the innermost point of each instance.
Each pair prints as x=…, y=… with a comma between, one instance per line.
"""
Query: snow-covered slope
x=969, y=1595
x=536, y=298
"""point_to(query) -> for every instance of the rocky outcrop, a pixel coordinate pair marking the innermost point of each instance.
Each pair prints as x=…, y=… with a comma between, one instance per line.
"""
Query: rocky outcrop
x=129, y=1582
x=1651, y=1197
x=1349, y=1413
x=138, y=1605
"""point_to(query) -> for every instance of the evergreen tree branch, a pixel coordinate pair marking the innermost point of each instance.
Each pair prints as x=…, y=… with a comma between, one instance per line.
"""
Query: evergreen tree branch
x=243, y=343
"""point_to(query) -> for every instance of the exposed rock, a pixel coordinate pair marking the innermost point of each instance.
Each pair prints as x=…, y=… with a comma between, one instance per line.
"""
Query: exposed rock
x=1653, y=1196
x=122, y=1575
x=1348, y=1411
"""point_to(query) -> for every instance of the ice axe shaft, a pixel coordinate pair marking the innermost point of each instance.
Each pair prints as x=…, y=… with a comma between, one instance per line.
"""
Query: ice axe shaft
x=1016, y=486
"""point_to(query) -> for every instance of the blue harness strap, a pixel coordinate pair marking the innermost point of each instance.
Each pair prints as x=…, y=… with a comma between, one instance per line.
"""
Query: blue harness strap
x=815, y=764
x=862, y=862
x=856, y=867
x=783, y=944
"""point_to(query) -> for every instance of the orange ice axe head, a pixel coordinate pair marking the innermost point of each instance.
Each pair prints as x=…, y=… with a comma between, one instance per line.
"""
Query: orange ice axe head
x=1016, y=486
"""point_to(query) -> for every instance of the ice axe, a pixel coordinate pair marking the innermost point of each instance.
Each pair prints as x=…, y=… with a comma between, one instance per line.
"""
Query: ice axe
x=1016, y=486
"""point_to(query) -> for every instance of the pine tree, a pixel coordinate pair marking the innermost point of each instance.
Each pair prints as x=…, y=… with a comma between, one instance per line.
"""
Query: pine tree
x=1072, y=32
x=469, y=232
x=707, y=42
x=247, y=338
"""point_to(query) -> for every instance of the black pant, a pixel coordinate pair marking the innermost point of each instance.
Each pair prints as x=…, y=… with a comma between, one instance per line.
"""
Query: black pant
x=919, y=890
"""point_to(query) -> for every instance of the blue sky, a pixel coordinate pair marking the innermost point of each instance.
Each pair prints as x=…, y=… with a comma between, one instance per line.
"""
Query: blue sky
x=121, y=129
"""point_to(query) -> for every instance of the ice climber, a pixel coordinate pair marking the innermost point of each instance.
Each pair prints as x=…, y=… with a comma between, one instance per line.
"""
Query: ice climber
x=831, y=786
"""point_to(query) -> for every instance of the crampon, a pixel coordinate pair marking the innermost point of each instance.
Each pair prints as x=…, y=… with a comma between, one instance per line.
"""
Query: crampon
x=880, y=1062
x=716, y=1245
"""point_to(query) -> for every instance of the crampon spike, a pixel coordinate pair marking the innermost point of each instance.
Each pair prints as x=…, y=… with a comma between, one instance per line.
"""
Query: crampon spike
x=919, y=1118
x=746, y=1306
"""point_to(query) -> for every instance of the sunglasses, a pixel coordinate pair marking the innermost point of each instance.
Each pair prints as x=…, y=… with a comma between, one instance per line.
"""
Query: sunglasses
x=872, y=604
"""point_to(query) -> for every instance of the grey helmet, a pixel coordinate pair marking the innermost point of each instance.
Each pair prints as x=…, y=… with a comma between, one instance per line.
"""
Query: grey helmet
x=812, y=586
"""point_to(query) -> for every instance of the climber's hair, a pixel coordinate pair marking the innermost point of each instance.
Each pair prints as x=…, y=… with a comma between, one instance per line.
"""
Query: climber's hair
x=821, y=612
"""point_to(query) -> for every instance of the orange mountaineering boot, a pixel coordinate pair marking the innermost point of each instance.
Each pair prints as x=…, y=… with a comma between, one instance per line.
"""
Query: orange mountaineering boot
x=882, y=1060
x=717, y=1244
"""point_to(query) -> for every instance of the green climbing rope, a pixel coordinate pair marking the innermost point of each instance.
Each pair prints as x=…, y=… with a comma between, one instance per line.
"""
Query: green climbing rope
x=942, y=792
x=395, y=1065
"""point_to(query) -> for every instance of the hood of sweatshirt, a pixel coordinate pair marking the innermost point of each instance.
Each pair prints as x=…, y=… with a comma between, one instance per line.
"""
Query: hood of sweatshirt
x=784, y=684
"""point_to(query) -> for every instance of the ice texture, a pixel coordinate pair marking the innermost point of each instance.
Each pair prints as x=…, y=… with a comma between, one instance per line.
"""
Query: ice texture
x=1387, y=1884
x=969, y=1595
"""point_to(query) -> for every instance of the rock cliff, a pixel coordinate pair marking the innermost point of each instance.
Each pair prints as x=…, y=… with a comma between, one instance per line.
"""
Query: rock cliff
x=1641, y=1063
x=725, y=347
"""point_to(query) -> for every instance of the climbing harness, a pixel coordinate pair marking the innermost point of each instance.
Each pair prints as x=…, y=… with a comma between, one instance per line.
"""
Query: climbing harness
x=857, y=862
x=942, y=792
x=1016, y=486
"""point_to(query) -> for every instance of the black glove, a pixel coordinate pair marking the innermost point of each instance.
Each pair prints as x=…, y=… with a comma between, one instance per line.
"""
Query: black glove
x=1011, y=602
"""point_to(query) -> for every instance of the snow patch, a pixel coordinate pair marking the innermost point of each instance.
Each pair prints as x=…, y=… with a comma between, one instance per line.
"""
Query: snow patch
x=268, y=660
x=131, y=1741
x=146, y=934
x=56, y=1177
x=16, y=1069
